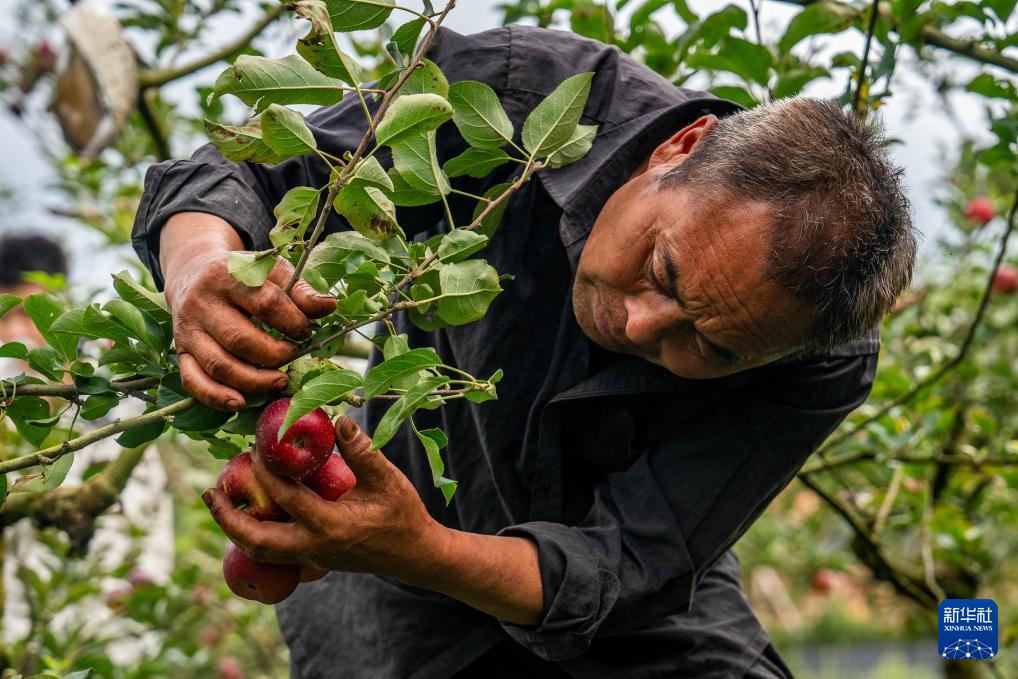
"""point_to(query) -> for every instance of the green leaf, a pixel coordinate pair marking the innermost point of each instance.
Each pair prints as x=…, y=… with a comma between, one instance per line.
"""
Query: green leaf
x=98, y=405
x=493, y=218
x=791, y=82
x=319, y=47
x=737, y=94
x=553, y=121
x=368, y=210
x=14, y=350
x=479, y=115
x=222, y=449
x=988, y=86
x=49, y=476
x=381, y=377
x=575, y=148
x=433, y=441
x=395, y=345
x=746, y=59
x=285, y=132
x=467, y=290
x=251, y=268
x=405, y=37
x=241, y=144
x=475, y=162
x=297, y=209
x=8, y=302
x=3, y=489
x=43, y=309
x=134, y=321
x=329, y=257
x=411, y=115
x=403, y=408
x=318, y=391
x=416, y=161
x=405, y=195
x=132, y=438
x=26, y=410
x=259, y=81
x=359, y=15
x=814, y=19
x=150, y=301
x=459, y=244
x=426, y=79
x=369, y=172
x=47, y=362
x=200, y=417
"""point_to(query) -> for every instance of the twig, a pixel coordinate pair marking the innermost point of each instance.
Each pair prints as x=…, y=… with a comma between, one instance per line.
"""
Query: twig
x=155, y=130
x=928, y=34
x=159, y=77
x=71, y=391
x=885, y=507
x=48, y=455
x=365, y=140
x=865, y=58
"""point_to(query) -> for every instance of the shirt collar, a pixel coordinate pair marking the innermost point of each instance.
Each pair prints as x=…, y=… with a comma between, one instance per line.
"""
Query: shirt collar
x=582, y=188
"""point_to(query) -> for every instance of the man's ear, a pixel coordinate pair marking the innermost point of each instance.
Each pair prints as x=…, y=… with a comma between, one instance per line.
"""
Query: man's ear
x=677, y=147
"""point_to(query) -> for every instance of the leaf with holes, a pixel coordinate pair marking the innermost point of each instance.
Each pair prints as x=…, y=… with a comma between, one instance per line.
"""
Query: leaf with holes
x=241, y=144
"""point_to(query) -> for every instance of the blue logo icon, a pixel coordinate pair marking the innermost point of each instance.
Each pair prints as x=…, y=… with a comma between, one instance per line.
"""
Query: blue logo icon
x=968, y=629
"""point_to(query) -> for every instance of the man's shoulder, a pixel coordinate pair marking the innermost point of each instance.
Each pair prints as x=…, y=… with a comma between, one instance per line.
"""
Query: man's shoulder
x=528, y=62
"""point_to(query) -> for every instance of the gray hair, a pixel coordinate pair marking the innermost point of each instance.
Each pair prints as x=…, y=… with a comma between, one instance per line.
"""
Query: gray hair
x=842, y=240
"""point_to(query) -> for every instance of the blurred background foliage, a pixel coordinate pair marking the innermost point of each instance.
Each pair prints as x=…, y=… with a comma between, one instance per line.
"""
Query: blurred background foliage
x=913, y=500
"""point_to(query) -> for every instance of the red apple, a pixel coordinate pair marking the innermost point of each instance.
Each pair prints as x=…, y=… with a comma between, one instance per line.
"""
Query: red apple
x=824, y=580
x=309, y=574
x=268, y=583
x=979, y=210
x=332, y=479
x=229, y=668
x=1005, y=279
x=304, y=448
x=238, y=481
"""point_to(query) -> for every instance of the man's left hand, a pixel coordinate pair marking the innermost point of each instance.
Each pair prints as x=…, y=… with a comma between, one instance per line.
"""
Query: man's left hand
x=380, y=526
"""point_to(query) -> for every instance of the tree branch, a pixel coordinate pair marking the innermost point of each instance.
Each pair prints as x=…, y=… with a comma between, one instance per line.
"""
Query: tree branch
x=927, y=34
x=48, y=455
x=161, y=76
x=70, y=391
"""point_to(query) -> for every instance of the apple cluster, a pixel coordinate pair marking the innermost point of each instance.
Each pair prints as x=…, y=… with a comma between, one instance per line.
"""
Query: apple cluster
x=305, y=454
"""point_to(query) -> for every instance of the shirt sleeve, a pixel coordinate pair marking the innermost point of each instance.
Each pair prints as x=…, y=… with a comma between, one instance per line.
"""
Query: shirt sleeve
x=654, y=529
x=244, y=194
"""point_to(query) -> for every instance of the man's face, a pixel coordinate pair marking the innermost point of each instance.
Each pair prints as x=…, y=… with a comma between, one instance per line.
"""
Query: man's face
x=679, y=282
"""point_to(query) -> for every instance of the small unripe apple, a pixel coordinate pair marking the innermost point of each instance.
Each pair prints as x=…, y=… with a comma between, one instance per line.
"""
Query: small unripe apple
x=304, y=448
x=332, y=479
x=239, y=483
x=229, y=668
x=979, y=210
x=268, y=583
x=1005, y=279
x=309, y=574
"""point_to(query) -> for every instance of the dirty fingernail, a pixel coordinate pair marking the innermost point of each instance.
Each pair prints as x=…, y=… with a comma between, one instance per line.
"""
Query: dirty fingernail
x=347, y=428
x=234, y=404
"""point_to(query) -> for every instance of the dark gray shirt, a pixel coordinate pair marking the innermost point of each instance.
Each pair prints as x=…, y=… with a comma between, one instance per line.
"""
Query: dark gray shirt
x=632, y=481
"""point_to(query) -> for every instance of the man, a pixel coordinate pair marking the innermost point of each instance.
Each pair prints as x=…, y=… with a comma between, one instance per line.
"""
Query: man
x=690, y=317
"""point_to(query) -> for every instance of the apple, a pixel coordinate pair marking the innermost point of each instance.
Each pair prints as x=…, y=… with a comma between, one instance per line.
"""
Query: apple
x=305, y=447
x=139, y=578
x=979, y=210
x=332, y=479
x=268, y=583
x=238, y=481
x=309, y=574
x=1005, y=279
x=229, y=668
x=824, y=580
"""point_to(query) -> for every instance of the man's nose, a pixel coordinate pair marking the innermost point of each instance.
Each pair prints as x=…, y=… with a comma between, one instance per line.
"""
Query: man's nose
x=649, y=318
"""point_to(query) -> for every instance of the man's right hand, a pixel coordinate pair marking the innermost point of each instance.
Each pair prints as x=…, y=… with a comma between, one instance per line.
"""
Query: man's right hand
x=222, y=352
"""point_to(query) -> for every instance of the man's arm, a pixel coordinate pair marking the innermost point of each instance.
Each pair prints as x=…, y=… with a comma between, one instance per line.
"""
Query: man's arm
x=655, y=529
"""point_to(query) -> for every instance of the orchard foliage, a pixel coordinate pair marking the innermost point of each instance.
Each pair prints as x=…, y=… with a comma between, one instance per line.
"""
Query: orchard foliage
x=374, y=271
